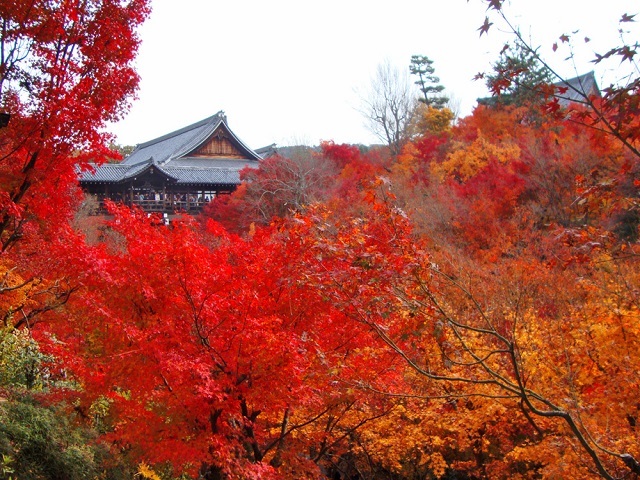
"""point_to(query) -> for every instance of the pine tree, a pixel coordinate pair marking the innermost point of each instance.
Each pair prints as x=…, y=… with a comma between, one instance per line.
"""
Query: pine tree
x=431, y=90
x=517, y=76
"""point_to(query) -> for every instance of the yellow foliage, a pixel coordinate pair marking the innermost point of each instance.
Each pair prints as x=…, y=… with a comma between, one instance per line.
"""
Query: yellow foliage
x=431, y=120
x=466, y=161
x=14, y=291
x=22, y=298
x=437, y=464
x=146, y=472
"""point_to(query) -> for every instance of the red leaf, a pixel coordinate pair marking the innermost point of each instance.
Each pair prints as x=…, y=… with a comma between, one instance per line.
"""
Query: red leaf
x=626, y=53
x=485, y=26
x=627, y=18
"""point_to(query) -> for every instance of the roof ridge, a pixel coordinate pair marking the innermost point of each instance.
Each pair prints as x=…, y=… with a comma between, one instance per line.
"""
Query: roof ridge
x=191, y=167
x=218, y=117
x=578, y=79
x=112, y=165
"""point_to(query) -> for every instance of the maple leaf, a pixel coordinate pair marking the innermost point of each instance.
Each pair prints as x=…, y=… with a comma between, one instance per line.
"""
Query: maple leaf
x=627, y=18
x=552, y=107
x=554, y=47
x=485, y=26
x=564, y=38
x=627, y=53
x=495, y=4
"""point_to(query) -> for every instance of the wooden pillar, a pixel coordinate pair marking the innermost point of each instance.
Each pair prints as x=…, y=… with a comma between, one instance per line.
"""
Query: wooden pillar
x=164, y=197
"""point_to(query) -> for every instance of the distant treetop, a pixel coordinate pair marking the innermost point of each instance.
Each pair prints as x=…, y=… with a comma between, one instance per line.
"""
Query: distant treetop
x=428, y=83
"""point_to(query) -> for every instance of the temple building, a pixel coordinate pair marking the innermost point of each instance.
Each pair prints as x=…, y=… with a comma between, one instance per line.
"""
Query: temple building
x=575, y=90
x=178, y=172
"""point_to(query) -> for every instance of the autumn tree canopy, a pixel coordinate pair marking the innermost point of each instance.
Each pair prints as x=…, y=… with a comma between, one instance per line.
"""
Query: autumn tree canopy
x=65, y=70
x=464, y=308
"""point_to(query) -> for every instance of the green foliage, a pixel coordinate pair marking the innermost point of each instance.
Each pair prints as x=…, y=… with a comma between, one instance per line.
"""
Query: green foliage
x=22, y=364
x=518, y=76
x=99, y=413
x=6, y=468
x=432, y=96
x=38, y=442
x=122, y=150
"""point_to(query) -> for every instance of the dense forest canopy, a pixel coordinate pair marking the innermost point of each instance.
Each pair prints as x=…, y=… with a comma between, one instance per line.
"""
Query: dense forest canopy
x=464, y=306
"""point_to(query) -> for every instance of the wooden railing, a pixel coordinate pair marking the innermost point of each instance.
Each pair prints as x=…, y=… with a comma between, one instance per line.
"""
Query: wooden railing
x=159, y=206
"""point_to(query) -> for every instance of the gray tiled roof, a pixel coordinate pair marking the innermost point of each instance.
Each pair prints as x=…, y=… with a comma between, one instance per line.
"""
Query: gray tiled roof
x=109, y=172
x=165, y=148
x=220, y=174
x=181, y=142
x=138, y=168
x=234, y=163
x=268, y=151
x=104, y=173
x=189, y=175
x=577, y=88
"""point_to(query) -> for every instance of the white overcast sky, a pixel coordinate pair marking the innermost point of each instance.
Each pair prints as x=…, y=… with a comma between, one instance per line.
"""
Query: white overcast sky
x=288, y=71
